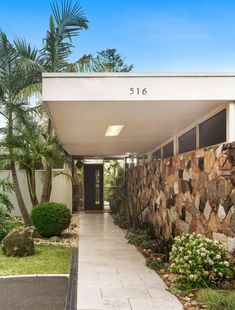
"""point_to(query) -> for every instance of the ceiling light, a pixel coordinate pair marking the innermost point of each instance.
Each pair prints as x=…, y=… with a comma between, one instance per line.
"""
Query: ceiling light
x=114, y=130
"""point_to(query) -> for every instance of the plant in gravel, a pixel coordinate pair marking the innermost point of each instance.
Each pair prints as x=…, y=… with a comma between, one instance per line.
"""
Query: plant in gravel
x=216, y=299
x=51, y=218
x=154, y=263
x=199, y=261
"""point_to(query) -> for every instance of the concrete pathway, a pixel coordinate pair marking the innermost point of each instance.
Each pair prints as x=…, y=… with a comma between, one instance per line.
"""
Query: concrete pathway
x=112, y=274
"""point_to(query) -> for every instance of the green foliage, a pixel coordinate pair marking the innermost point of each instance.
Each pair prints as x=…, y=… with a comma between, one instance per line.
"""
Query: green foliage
x=51, y=218
x=113, y=170
x=137, y=236
x=120, y=220
x=5, y=226
x=5, y=204
x=154, y=264
x=199, y=261
x=217, y=299
x=164, y=246
x=113, y=61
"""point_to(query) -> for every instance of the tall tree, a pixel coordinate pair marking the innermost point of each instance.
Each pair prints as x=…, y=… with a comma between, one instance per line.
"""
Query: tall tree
x=112, y=61
x=14, y=80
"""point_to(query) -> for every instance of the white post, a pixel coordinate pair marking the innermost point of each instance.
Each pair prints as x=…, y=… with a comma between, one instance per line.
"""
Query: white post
x=231, y=122
x=150, y=157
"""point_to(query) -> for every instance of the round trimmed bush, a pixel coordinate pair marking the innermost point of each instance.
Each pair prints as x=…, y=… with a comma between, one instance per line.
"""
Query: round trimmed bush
x=51, y=218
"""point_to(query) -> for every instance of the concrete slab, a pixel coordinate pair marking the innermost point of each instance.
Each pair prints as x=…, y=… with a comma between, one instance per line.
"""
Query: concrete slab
x=112, y=273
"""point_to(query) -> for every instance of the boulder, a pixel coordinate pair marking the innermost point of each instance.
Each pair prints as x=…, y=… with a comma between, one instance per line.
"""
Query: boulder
x=19, y=242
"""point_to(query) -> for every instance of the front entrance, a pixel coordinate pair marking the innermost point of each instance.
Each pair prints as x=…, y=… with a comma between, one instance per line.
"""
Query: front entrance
x=93, y=187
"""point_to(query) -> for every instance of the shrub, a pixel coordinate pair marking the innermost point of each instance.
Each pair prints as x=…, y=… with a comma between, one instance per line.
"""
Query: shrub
x=51, y=218
x=137, y=236
x=154, y=264
x=5, y=226
x=217, y=299
x=199, y=261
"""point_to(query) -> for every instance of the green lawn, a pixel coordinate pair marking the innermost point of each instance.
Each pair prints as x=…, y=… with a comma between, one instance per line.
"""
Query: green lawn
x=47, y=259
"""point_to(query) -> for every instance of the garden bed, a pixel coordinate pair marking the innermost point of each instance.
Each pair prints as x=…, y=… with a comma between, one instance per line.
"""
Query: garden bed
x=191, y=298
x=52, y=255
x=69, y=237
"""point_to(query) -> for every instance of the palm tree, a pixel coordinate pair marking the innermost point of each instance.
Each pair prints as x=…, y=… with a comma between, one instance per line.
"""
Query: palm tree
x=66, y=21
x=14, y=80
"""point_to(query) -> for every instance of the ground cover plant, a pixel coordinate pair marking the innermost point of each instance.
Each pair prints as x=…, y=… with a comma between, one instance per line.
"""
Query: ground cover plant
x=217, y=299
x=47, y=259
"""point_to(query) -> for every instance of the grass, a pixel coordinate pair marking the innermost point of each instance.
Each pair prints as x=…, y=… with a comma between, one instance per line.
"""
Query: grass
x=47, y=259
x=217, y=299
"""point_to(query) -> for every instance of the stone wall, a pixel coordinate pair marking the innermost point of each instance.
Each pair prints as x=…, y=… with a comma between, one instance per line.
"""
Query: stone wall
x=192, y=192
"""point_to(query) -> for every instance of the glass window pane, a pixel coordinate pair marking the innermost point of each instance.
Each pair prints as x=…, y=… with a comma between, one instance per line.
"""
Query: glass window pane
x=168, y=150
x=187, y=142
x=213, y=130
x=157, y=154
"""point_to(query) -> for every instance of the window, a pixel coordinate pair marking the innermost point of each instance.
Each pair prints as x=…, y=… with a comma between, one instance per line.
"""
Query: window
x=213, y=130
x=187, y=142
x=157, y=154
x=168, y=150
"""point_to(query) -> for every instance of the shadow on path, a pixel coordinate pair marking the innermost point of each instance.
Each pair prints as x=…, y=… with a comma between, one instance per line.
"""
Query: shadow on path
x=33, y=293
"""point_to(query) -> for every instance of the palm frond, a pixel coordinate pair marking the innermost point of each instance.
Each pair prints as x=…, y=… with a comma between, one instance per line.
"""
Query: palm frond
x=69, y=18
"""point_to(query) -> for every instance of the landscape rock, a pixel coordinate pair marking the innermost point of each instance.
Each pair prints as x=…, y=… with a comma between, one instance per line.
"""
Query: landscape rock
x=19, y=242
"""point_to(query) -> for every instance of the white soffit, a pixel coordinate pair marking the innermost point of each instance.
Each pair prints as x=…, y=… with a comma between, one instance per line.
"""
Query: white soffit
x=82, y=107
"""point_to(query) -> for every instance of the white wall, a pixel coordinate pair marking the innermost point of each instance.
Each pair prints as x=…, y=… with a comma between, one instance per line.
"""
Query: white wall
x=61, y=188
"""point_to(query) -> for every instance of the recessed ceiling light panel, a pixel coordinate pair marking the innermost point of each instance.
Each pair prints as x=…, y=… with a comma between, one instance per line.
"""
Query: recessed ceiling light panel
x=114, y=130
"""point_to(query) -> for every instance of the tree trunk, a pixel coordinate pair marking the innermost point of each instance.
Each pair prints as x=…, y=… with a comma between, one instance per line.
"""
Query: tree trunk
x=46, y=190
x=22, y=206
x=32, y=186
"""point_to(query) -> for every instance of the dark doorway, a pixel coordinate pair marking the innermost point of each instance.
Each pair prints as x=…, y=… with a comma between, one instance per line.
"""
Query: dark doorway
x=94, y=187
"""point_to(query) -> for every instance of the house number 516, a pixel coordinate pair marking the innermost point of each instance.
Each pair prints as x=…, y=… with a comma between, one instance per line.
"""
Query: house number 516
x=138, y=91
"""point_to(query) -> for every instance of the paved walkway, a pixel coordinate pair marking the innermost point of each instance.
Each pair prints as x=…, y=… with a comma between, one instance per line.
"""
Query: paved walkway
x=112, y=273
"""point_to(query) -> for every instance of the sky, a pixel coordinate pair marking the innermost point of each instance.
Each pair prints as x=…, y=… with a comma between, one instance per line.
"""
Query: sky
x=153, y=35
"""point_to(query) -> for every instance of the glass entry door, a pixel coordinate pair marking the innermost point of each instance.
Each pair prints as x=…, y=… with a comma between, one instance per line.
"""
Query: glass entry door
x=94, y=187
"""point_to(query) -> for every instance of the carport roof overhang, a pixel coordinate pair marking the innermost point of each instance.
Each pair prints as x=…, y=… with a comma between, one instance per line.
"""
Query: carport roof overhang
x=152, y=107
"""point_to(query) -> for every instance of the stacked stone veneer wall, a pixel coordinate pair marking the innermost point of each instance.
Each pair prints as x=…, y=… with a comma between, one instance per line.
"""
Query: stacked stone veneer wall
x=192, y=192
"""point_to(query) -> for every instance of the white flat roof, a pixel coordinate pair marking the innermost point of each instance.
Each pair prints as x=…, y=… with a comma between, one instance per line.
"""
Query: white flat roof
x=153, y=107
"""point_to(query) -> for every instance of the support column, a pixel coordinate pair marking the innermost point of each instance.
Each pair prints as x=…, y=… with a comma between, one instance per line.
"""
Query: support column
x=231, y=122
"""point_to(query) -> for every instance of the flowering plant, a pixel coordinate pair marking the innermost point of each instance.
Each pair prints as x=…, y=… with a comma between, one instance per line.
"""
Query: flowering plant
x=200, y=261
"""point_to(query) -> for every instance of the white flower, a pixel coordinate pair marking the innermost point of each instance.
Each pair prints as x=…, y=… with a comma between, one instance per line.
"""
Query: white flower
x=210, y=262
x=220, y=274
x=203, y=254
x=218, y=256
x=191, y=276
x=226, y=263
x=186, y=258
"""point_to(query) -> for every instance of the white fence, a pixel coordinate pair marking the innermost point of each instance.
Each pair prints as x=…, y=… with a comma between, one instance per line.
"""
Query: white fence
x=61, y=188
